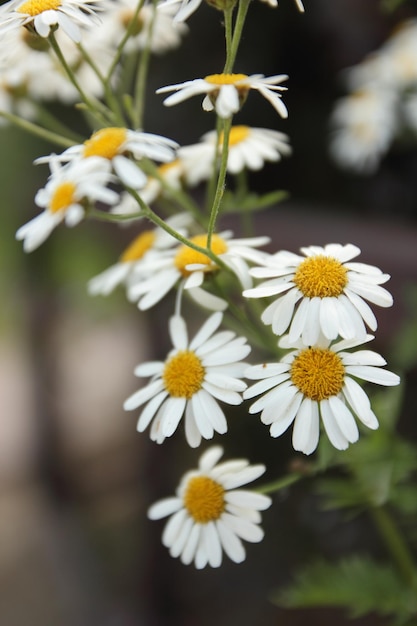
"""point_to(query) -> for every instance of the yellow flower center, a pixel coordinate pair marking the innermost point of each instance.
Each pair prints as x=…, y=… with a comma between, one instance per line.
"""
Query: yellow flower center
x=224, y=79
x=62, y=197
x=35, y=7
x=321, y=276
x=126, y=18
x=318, y=373
x=237, y=135
x=138, y=247
x=187, y=256
x=204, y=499
x=183, y=375
x=105, y=143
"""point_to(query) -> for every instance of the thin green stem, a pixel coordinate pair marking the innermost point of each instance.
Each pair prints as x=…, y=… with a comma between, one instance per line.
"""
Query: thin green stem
x=142, y=75
x=237, y=34
x=52, y=123
x=95, y=107
x=228, y=33
x=36, y=130
x=227, y=125
x=279, y=484
x=394, y=543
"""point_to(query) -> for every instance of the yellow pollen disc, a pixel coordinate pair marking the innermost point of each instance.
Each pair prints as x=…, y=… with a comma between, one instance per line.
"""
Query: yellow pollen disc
x=166, y=167
x=321, y=276
x=237, y=135
x=35, y=7
x=62, y=197
x=187, y=256
x=105, y=143
x=224, y=79
x=204, y=499
x=183, y=375
x=139, y=246
x=126, y=18
x=318, y=373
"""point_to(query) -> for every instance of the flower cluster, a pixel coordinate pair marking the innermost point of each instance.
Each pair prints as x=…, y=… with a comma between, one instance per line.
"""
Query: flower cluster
x=381, y=104
x=319, y=301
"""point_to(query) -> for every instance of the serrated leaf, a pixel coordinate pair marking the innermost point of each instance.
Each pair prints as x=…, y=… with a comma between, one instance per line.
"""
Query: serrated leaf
x=356, y=583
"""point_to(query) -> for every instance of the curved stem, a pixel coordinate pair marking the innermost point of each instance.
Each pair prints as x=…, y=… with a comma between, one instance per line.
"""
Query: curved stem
x=279, y=484
x=227, y=124
x=395, y=544
x=38, y=131
x=237, y=34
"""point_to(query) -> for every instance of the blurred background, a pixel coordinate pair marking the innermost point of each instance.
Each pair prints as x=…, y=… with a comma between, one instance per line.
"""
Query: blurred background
x=76, y=479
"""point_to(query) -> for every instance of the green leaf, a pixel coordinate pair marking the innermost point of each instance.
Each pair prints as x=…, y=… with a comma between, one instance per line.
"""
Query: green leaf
x=355, y=583
x=231, y=203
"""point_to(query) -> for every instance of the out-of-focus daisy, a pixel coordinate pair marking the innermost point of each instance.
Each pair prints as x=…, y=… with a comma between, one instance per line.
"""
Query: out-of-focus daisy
x=150, y=241
x=363, y=125
x=44, y=15
x=248, y=148
x=226, y=93
x=166, y=34
x=322, y=291
x=66, y=196
x=194, y=376
x=274, y=3
x=209, y=514
x=156, y=277
x=318, y=381
x=121, y=147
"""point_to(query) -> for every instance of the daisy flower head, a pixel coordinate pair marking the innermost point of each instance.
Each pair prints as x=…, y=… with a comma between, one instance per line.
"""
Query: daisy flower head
x=44, y=16
x=226, y=93
x=122, y=147
x=65, y=198
x=320, y=292
x=316, y=382
x=209, y=514
x=149, y=242
x=274, y=3
x=194, y=376
x=249, y=148
x=190, y=267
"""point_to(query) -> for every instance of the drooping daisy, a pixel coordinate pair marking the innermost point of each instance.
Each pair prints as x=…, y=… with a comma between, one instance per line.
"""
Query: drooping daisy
x=248, y=148
x=210, y=514
x=150, y=241
x=121, y=147
x=156, y=277
x=189, y=382
x=226, y=93
x=317, y=382
x=66, y=196
x=322, y=291
x=44, y=15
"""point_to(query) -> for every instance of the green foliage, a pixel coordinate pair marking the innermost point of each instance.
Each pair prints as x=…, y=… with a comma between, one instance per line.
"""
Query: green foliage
x=355, y=583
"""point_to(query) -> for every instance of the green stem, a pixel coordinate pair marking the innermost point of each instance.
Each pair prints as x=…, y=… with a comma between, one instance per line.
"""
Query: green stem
x=279, y=484
x=237, y=34
x=96, y=108
x=228, y=33
x=394, y=543
x=36, y=130
x=227, y=125
x=142, y=75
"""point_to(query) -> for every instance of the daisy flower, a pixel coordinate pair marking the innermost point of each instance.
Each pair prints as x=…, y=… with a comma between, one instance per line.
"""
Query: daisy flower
x=157, y=276
x=189, y=382
x=209, y=514
x=226, y=93
x=274, y=3
x=119, y=145
x=322, y=291
x=67, y=194
x=44, y=15
x=148, y=242
x=248, y=148
x=318, y=381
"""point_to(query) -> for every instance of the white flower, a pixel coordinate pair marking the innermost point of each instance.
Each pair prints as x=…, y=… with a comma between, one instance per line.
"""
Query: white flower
x=318, y=381
x=189, y=6
x=363, y=126
x=210, y=514
x=165, y=35
x=154, y=277
x=122, y=147
x=322, y=291
x=248, y=148
x=226, y=93
x=148, y=242
x=67, y=194
x=189, y=382
x=44, y=15
x=274, y=3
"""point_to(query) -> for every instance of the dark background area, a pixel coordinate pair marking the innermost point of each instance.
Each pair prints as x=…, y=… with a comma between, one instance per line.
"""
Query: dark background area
x=76, y=479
